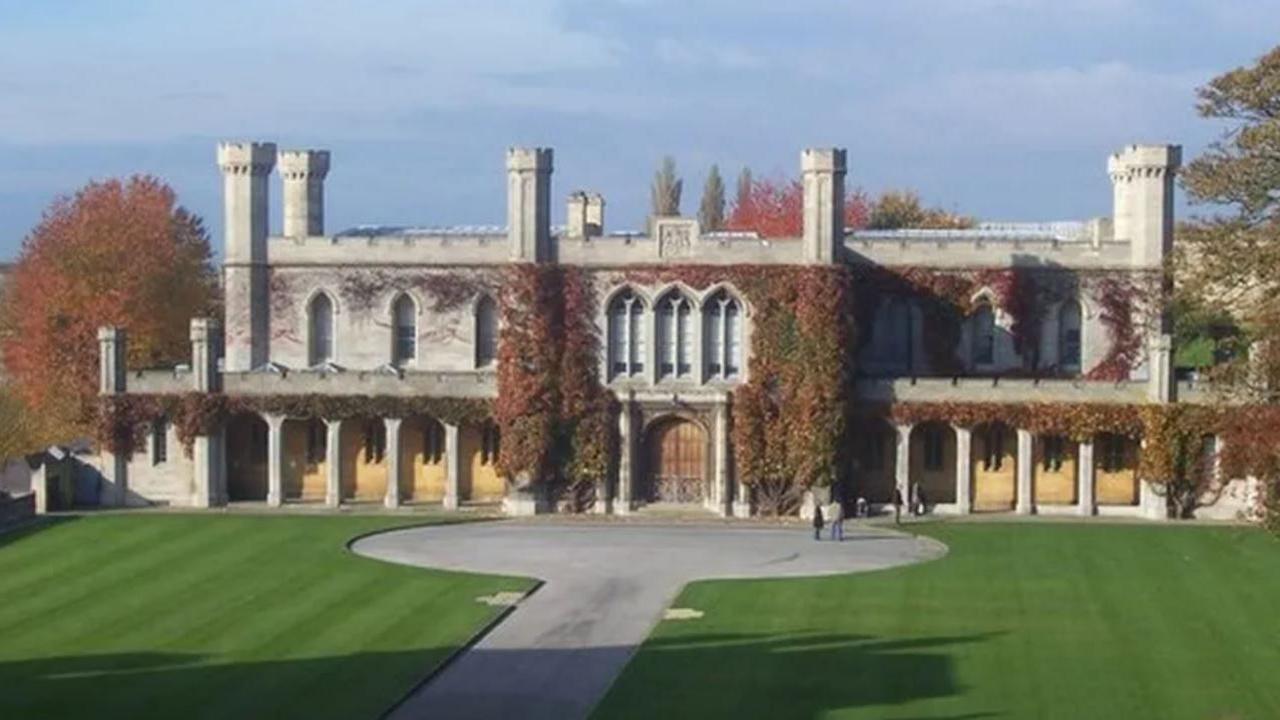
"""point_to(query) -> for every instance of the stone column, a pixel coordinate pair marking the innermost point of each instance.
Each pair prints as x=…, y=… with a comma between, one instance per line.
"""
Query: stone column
x=333, y=462
x=651, y=357
x=275, y=460
x=393, y=462
x=902, y=462
x=1084, y=476
x=1026, y=459
x=207, y=451
x=451, y=467
x=964, y=470
x=742, y=500
x=626, y=443
x=40, y=485
x=721, y=489
x=112, y=351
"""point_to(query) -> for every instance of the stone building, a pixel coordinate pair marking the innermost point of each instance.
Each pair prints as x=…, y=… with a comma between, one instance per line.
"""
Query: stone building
x=364, y=313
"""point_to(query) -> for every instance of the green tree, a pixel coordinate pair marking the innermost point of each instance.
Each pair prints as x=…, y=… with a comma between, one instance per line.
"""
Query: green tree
x=711, y=210
x=1228, y=260
x=664, y=195
x=899, y=209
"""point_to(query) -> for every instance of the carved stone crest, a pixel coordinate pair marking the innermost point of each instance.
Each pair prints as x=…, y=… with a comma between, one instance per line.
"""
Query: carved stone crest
x=675, y=236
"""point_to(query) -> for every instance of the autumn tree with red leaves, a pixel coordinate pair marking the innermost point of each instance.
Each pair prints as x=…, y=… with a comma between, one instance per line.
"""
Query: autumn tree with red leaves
x=119, y=252
x=775, y=208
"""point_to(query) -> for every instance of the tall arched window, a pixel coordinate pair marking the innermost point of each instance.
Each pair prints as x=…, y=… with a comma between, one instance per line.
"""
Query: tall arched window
x=320, y=347
x=722, y=336
x=404, y=347
x=486, y=331
x=675, y=330
x=984, y=335
x=1069, y=336
x=892, y=334
x=626, y=335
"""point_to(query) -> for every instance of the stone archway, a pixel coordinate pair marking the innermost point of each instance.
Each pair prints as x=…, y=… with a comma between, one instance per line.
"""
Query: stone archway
x=675, y=462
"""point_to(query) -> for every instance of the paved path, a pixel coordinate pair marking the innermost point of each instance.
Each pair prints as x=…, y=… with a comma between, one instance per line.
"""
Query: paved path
x=605, y=588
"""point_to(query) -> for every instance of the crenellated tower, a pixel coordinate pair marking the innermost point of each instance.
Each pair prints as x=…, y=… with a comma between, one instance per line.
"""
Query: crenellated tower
x=245, y=169
x=529, y=204
x=303, y=173
x=823, y=170
x=1142, y=179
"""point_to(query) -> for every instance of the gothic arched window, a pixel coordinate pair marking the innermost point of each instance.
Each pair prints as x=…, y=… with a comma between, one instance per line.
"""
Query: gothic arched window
x=1069, y=336
x=722, y=336
x=486, y=331
x=320, y=325
x=404, y=347
x=984, y=335
x=626, y=335
x=675, y=330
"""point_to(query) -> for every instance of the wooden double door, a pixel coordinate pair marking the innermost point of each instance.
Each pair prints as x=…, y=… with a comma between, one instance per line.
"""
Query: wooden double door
x=675, y=463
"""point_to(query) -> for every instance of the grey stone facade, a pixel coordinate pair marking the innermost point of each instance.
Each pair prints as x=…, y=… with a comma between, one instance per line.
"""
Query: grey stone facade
x=365, y=284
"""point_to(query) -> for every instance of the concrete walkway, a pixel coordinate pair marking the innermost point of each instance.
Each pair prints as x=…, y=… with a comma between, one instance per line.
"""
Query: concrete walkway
x=605, y=587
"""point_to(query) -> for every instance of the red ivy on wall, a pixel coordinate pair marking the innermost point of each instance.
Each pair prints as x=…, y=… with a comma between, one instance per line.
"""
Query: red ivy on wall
x=554, y=414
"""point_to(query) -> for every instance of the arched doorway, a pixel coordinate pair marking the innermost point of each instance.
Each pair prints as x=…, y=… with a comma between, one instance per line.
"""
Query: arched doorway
x=675, y=462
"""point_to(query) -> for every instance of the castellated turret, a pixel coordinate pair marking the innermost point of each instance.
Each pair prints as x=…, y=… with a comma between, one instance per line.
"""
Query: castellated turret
x=245, y=169
x=823, y=170
x=1142, y=180
x=529, y=204
x=585, y=215
x=303, y=173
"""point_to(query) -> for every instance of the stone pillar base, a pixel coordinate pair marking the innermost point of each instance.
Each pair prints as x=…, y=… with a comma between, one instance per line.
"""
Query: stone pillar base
x=523, y=503
x=622, y=507
x=450, y=502
x=601, y=507
x=741, y=510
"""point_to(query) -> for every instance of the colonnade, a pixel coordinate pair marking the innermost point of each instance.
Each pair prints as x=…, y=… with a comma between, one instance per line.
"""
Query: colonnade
x=334, y=462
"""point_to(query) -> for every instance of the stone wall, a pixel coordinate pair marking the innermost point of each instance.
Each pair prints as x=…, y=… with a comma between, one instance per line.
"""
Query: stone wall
x=16, y=509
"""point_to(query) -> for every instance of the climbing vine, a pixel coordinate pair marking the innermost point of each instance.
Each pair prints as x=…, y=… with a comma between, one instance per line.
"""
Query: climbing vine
x=790, y=417
x=945, y=298
x=555, y=415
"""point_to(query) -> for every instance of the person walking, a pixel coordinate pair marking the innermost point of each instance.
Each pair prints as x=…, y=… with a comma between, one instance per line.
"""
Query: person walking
x=837, y=521
x=817, y=520
x=897, y=505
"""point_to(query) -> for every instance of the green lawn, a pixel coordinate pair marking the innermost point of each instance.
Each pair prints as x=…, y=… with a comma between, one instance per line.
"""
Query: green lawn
x=1019, y=621
x=204, y=616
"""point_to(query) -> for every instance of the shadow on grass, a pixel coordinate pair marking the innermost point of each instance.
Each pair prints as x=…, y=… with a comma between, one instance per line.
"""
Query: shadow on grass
x=795, y=675
x=191, y=685
x=705, y=676
x=35, y=525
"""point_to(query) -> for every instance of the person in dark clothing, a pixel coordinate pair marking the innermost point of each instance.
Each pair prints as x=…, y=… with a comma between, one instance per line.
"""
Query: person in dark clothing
x=897, y=506
x=817, y=521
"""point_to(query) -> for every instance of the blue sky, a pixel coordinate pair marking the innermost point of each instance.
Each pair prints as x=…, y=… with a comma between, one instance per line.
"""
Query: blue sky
x=1001, y=108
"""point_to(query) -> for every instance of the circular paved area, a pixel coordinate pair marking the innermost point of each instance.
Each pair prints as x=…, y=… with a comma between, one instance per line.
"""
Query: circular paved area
x=605, y=587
